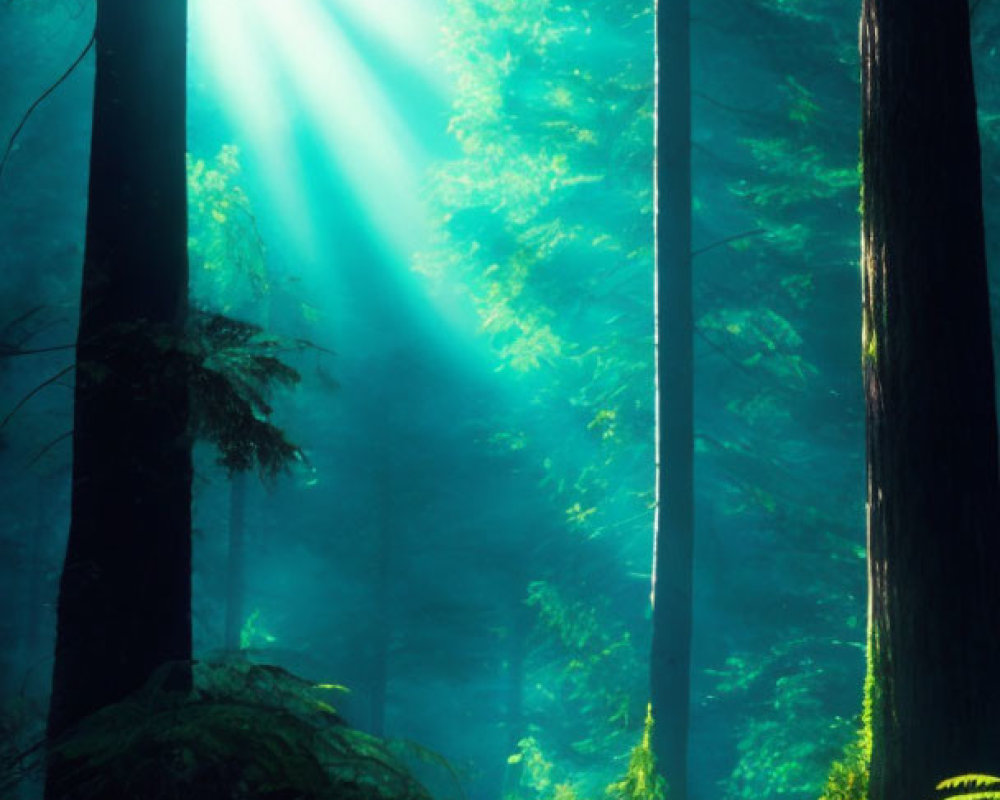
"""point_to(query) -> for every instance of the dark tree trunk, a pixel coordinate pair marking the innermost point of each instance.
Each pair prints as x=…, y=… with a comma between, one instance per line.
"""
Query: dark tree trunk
x=933, y=492
x=236, y=563
x=381, y=619
x=125, y=597
x=671, y=651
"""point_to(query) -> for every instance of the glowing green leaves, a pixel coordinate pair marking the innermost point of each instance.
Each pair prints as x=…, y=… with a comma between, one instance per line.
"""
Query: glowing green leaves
x=974, y=782
x=253, y=634
x=792, y=174
x=223, y=237
x=642, y=781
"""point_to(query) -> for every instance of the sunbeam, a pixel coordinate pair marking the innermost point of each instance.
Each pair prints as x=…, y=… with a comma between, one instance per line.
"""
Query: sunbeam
x=409, y=30
x=253, y=45
x=241, y=65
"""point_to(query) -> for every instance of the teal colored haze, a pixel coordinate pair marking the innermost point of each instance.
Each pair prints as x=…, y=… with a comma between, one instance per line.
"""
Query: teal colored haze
x=442, y=209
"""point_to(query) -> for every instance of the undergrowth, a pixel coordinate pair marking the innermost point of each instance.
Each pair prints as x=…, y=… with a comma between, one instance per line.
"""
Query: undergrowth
x=245, y=732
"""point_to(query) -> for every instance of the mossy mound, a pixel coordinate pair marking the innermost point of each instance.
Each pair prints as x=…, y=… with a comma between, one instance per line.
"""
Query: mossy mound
x=246, y=732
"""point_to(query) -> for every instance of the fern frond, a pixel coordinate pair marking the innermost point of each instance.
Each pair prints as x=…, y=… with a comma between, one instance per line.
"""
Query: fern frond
x=233, y=368
x=990, y=795
x=967, y=781
x=246, y=730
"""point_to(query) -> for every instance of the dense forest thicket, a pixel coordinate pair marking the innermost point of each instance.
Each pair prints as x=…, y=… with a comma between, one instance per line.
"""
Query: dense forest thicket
x=451, y=257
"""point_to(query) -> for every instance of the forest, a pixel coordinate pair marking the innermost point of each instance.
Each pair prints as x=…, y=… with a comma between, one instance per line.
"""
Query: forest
x=499, y=400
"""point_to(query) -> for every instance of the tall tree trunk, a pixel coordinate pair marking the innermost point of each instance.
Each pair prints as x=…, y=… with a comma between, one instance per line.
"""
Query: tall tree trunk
x=517, y=642
x=671, y=652
x=125, y=596
x=933, y=490
x=519, y=625
x=381, y=629
x=236, y=563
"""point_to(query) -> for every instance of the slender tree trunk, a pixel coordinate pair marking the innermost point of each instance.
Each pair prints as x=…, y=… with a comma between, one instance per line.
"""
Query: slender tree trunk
x=933, y=490
x=381, y=622
x=236, y=564
x=671, y=652
x=515, y=671
x=125, y=598
x=520, y=622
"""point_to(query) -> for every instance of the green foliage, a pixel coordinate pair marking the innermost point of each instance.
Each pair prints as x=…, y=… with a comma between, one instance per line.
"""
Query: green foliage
x=597, y=666
x=785, y=748
x=227, y=252
x=515, y=223
x=975, y=782
x=807, y=10
x=233, y=368
x=253, y=633
x=539, y=776
x=234, y=365
x=802, y=105
x=760, y=339
x=542, y=225
x=642, y=781
x=793, y=174
x=536, y=770
x=848, y=778
x=247, y=731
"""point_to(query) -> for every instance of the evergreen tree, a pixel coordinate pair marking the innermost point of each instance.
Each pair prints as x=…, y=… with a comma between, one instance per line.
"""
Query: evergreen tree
x=933, y=495
x=124, y=599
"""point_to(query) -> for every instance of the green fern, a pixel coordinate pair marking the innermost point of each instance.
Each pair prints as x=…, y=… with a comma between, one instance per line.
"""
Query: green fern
x=233, y=367
x=965, y=781
x=971, y=781
x=247, y=731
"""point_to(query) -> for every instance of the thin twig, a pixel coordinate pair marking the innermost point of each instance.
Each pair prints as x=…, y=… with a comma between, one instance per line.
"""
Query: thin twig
x=41, y=97
x=48, y=447
x=734, y=238
x=11, y=352
x=758, y=112
x=21, y=403
x=23, y=318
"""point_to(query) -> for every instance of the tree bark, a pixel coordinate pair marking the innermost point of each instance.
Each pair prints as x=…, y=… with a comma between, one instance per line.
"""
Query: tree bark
x=236, y=563
x=933, y=487
x=671, y=650
x=125, y=597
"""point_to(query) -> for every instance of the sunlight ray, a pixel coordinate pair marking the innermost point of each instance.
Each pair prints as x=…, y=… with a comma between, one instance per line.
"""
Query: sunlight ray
x=236, y=57
x=366, y=141
x=409, y=30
